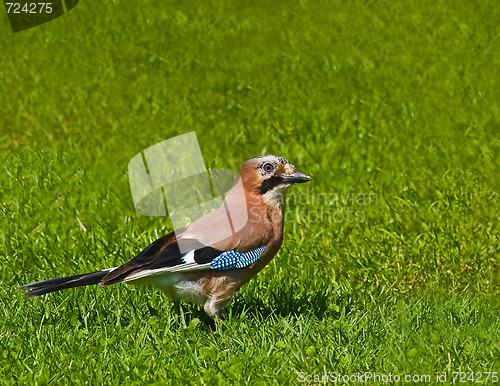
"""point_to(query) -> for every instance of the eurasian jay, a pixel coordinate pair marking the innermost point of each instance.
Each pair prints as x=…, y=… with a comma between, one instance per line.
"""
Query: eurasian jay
x=202, y=262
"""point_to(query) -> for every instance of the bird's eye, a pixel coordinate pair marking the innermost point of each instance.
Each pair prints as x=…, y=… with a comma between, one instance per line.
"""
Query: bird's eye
x=268, y=167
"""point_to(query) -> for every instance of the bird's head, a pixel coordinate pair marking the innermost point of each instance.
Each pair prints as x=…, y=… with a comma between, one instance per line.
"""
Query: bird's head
x=270, y=176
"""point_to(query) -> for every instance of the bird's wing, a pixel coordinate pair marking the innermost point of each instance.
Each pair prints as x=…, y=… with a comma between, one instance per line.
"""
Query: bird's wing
x=164, y=256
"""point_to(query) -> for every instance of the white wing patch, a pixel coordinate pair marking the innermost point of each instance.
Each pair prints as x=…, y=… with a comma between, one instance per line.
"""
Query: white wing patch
x=189, y=258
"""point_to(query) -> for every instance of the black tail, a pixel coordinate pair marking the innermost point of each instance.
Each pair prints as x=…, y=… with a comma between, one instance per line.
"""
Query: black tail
x=47, y=286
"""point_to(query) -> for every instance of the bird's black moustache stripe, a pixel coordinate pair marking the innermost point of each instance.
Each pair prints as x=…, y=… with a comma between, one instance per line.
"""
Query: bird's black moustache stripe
x=270, y=183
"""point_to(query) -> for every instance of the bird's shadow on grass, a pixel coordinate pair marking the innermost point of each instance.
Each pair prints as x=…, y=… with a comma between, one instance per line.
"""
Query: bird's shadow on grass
x=283, y=302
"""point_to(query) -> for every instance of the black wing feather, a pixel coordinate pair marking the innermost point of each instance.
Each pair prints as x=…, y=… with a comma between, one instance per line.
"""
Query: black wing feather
x=206, y=255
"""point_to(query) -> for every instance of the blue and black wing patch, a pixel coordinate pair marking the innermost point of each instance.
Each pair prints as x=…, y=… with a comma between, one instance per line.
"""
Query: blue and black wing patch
x=234, y=259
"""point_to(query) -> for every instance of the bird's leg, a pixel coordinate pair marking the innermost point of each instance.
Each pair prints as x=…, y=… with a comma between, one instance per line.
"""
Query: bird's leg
x=216, y=309
x=177, y=307
x=221, y=316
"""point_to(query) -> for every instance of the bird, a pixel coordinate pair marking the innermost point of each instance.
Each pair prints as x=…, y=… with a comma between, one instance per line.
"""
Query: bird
x=203, y=262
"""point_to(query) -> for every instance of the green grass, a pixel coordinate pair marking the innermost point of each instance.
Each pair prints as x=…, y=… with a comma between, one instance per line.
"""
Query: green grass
x=389, y=98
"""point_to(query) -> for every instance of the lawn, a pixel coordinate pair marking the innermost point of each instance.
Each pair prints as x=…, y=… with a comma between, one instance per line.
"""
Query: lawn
x=391, y=254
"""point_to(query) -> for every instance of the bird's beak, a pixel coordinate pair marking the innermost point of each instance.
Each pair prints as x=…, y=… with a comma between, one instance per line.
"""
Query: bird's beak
x=296, y=177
